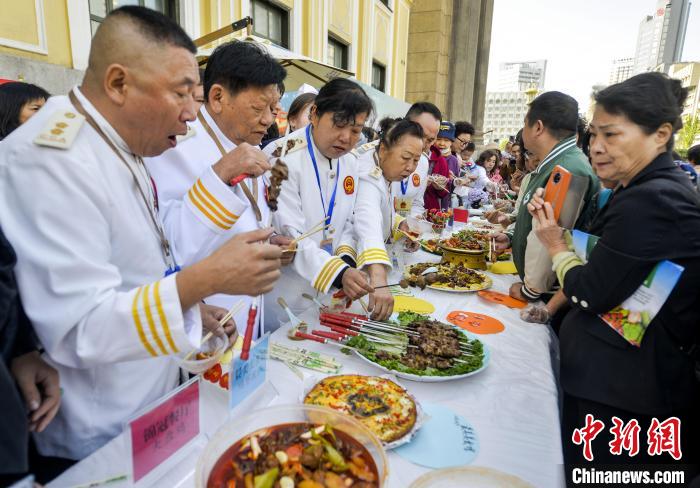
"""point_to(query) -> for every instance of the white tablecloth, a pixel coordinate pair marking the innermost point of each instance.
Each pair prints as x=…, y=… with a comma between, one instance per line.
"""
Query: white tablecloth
x=512, y=404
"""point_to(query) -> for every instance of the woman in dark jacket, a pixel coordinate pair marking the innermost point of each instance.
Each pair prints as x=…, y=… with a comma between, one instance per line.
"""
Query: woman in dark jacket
x=654, y=215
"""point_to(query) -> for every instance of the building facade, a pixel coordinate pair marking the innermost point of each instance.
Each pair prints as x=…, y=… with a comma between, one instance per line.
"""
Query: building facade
x=47, y=42
x=622, y=69
x=504, y=114
x=448, y=56
x=661, y=36
x=689, y=74
x=521, y=76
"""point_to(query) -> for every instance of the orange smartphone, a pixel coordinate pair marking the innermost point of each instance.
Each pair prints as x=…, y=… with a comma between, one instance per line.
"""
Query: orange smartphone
x=565, y=192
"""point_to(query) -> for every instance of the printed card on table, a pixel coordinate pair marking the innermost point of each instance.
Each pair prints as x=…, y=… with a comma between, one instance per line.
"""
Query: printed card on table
x=631, y=318
x=163, y=429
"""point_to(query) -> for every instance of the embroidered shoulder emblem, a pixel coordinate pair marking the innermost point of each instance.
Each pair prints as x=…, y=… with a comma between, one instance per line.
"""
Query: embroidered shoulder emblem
x=376, y=172
x=61, y=129
x=292, y=145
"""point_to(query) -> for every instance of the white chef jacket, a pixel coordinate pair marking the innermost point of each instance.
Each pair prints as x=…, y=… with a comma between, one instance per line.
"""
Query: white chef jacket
x=415, y=184
x=216, y=212
x=373, y=231
x=479, y=184
x=301, y=208
x=90, y=271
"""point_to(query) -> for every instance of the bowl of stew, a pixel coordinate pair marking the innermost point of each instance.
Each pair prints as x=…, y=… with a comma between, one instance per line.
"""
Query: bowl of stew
x=293, y=446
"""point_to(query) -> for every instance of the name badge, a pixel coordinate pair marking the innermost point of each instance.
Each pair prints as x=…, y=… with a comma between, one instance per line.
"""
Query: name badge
x=402, y=205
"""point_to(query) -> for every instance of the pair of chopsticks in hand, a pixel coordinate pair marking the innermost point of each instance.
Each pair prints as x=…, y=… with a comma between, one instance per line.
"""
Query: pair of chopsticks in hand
x=321, y=226
x=233, y=311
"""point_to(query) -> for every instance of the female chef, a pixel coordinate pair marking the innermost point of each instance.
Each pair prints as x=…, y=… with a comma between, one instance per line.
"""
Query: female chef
x=323, y=181
x=376, y=218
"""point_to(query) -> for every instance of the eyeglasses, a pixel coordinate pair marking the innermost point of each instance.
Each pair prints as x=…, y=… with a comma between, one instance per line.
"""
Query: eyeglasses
x=528, y=155
x=464, y=143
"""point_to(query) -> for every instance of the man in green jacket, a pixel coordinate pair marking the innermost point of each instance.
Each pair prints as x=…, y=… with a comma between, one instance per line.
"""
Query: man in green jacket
x=550, y=135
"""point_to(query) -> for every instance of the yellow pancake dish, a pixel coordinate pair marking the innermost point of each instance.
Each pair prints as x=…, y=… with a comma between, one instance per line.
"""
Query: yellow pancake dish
x=503, y=267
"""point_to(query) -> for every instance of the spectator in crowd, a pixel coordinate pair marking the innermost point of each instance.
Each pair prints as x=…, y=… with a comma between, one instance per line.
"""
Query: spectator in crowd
x=199, y=90
x=464, y=131
x=473, y=187
x=438, y=180
x=602, y=374
x=688, y=168
x=444, y=143
x=298, y=115
x=18, y=102
x=549, y=134
x=31, y=394
x=581, y=129
x=467, y=154
x=428, y=116
x=368, y=135
x=489, y=161
x=694, y=157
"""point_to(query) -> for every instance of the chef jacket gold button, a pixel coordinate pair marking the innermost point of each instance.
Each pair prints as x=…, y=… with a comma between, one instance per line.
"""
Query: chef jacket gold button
x=584, y=303
x=574, y=299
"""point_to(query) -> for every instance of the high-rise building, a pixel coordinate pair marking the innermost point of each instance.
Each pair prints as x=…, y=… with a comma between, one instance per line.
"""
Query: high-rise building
x=622, y=68
x=504, y=114
x=661, y=36
x=521, y=76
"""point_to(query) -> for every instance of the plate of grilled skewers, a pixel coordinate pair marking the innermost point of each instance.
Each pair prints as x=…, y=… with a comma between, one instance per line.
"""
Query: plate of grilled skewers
x=413, y=346
x=452, y=277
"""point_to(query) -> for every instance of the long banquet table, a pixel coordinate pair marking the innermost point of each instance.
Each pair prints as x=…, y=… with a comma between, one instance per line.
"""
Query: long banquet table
x=512, y=404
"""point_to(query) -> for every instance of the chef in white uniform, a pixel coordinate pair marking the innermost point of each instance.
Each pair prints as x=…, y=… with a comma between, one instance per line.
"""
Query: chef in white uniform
x=323, y=179
x=94, y=268
x=241, y=93
x=396, y=157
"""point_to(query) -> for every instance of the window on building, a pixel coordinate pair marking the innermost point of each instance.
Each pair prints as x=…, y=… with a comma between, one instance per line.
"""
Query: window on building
x=270, y=22
x=337, y=54
x=378, y=76
x=100, y=8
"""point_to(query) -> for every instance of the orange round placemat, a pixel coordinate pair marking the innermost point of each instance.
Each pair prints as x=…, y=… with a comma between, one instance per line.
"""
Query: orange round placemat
x=477, y=323
x=502, y=299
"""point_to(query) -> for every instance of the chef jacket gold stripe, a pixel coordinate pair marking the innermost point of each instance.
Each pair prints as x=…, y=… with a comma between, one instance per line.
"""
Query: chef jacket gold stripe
x=193, y=199
x=327, y=272
x=198, y=199
x=331, y=274
x=137, y=321
x=227, y=215
x=345, y=249
x=373, y=253
x=151, y=322
x=163, y=318
x=374, y=259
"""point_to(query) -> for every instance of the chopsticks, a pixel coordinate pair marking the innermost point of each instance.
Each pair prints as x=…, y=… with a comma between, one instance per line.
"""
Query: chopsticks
x=233, y=311
x=321, y=226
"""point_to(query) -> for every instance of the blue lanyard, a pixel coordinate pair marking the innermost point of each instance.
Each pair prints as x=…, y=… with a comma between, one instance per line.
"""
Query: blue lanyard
x=331, y=204
x=404, y=185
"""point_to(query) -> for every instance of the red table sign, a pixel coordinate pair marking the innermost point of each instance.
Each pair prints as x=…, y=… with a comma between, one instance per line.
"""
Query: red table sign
x=461, y=215
x=164, y=429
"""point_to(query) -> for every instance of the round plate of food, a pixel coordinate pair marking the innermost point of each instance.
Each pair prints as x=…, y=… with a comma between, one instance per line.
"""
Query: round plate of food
x=451, y=277
x=383, y=406
x=431, y=246
x=435, y=351
x=467, y=242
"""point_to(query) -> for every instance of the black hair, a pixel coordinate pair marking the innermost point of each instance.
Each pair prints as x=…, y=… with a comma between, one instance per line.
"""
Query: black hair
x=13, y=96
x=485, y=156
x=272, y=134
x=557, y=111
x=391, y=130
x=419, y=108
x=370, y=133
x=694, y=154
x=345, y=99
x=156, y=26
x=648, y=100
x=581, y=127
x=470, y=147
x=238, y=65
x=300, y=103
x=464, y=128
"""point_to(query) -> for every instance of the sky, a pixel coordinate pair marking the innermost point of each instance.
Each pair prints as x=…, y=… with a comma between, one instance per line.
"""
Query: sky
x=578, y=38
